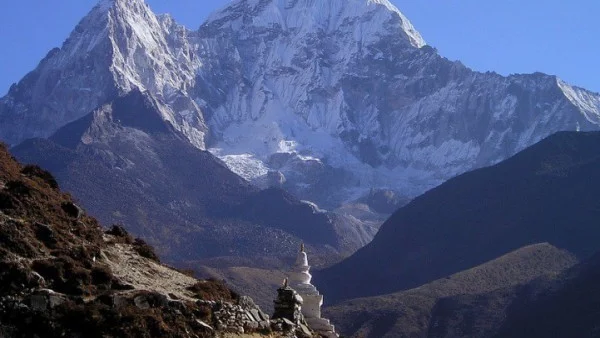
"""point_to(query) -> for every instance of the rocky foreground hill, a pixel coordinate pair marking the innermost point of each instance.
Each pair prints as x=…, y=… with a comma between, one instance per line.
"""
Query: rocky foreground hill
x=61, y=275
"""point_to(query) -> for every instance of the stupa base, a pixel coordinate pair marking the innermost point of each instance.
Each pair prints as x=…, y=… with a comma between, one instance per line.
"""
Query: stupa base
x=322, y=326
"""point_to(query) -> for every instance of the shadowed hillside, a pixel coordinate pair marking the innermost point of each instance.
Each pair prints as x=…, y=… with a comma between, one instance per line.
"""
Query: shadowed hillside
x=547, y=193
x=441, y=309
x=568, y=308
x=128, y=165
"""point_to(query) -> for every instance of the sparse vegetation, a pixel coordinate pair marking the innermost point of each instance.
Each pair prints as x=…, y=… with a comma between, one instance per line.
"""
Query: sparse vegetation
x=33, y=171
x=145, y=250
x=54, y=282
x=120, y=234
x=456, y=302
x=212, y=289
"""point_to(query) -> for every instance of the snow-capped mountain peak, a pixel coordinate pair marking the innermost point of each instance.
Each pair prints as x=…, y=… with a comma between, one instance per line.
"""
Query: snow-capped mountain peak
x=407, y=26
x=104, y=5
x=119, y=46
x=314, y=16
x=587, y=102
x=313, y=95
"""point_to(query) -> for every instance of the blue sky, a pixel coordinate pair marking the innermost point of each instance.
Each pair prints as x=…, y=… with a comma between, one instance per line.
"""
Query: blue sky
x=507, y=36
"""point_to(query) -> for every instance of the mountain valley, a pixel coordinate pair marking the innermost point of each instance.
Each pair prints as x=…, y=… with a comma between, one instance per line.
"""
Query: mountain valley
x=434, y=200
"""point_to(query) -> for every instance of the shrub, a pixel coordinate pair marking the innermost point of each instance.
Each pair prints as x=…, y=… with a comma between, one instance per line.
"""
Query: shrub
x=120, y=233
x=33, y=171
x=101, y=275
x=6, y=201
x=71, y=209
x=212, y=289
x=145, y=250
x=18, y=188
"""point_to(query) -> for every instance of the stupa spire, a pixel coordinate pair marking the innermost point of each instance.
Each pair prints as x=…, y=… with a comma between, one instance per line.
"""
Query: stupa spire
x=299, y=280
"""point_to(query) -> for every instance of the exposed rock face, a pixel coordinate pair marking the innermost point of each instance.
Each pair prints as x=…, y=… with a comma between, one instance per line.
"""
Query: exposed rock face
x=288, y=305
x=119, y=46
x=345, y=99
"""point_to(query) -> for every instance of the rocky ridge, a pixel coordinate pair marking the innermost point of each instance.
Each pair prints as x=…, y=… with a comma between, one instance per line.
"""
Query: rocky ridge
x=127, y=165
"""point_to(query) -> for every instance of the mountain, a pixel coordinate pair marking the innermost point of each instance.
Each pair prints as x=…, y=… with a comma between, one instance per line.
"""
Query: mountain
x=119, y=46
x=62, y=276
x=352, y=85
x=546, y=193
x=327, y=99
x=128, y=165
x=470, y=303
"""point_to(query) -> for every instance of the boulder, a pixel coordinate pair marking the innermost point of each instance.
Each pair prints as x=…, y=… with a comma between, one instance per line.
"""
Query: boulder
x=72, y=209
x=45, y=299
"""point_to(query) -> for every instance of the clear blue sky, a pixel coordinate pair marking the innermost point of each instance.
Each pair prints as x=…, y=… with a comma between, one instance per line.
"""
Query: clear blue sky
x=507, y=36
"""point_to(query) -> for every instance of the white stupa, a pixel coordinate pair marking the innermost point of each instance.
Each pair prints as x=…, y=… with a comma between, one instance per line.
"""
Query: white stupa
x=311, y=308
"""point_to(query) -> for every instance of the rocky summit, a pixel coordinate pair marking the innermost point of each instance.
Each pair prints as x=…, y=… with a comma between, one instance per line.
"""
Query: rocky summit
x=313, y=96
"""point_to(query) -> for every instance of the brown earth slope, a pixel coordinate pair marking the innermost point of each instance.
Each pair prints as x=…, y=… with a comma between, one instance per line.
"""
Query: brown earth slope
x=62, y=276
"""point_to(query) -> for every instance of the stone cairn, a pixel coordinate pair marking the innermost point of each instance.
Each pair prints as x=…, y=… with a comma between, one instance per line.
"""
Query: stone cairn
x=243, y=317
x=288, y=304
x=288, y=312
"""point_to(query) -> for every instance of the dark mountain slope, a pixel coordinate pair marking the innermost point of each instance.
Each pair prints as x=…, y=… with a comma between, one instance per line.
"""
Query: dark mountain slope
x=536, y=291
x=564, y=305
x=127, y=165
x=471, y=303
x=547, y=193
